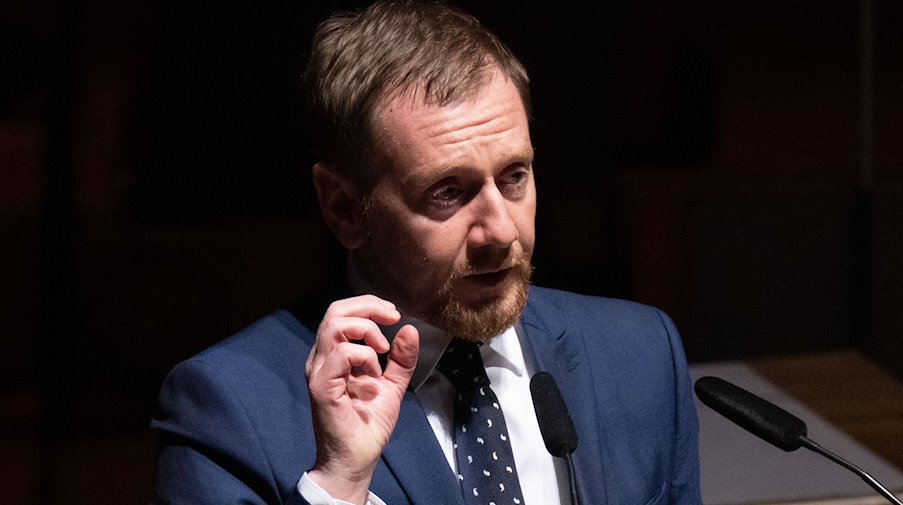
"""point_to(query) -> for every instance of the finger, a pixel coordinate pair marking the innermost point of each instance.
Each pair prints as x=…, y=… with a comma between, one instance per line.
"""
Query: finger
x=403, y=356
x=345, y=358
x=350, y=329
x=366, y=306
x=355, y=319
x=337, y=331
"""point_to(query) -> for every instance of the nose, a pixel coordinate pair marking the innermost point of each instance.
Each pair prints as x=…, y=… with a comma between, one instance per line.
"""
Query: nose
x=492, y=222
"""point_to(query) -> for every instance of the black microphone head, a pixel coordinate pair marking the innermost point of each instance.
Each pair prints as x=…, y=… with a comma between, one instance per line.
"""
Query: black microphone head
x=555, y=422
x=756, y=415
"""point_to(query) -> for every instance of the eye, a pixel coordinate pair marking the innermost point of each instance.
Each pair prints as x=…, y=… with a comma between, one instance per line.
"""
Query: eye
x=513, y=184
x=445, y=195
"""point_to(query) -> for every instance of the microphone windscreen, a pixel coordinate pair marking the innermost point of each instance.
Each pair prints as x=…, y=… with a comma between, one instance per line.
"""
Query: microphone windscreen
x=756, y=415
x=555, y=422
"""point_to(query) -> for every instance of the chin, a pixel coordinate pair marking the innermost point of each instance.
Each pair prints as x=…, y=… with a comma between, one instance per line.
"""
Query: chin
x=481, y=320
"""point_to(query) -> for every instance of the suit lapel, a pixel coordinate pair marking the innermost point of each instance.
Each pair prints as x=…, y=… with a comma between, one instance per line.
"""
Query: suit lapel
x=416, y=460
x=559, y=352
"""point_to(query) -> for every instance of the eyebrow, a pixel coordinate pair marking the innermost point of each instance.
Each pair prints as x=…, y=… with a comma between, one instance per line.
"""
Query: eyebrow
x=527, y=154
x=441, y=171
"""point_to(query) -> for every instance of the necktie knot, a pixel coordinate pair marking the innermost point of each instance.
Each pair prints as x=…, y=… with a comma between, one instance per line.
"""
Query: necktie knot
x=462, y=365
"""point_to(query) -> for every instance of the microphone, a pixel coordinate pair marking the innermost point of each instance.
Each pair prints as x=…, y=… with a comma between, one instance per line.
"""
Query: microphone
x=761, y=418
x=771, y=423
x=555, y=424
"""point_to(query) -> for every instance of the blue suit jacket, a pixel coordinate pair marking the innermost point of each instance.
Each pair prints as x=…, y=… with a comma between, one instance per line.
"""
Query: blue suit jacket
x=235, y=426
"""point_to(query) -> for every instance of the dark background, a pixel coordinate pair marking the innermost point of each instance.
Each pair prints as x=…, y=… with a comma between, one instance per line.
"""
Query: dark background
x=738, y=164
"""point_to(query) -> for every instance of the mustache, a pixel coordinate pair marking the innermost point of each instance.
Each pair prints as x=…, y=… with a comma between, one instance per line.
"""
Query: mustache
x=493, y=262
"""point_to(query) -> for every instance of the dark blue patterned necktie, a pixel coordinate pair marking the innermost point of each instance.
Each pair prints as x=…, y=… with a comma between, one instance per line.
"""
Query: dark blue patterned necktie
x=486, y=467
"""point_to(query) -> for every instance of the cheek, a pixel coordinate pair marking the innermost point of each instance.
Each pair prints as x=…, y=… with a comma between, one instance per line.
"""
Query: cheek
x=441, y=244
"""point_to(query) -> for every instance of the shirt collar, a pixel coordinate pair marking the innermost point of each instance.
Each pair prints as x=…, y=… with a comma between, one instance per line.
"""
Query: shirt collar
x=433, y=342
x=503, y=351
x=506, y=351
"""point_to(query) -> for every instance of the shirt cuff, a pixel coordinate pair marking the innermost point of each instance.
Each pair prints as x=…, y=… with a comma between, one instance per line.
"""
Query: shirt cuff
x=316, y=495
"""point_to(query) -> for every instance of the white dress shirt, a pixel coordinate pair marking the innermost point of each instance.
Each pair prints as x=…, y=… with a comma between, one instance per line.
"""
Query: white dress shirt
x=543, y=478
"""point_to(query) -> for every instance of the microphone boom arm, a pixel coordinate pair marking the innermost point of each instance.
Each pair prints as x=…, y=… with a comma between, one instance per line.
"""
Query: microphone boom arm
x=871, y=481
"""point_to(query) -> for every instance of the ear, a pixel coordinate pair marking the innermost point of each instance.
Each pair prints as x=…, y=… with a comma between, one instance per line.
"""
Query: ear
x=340, y=206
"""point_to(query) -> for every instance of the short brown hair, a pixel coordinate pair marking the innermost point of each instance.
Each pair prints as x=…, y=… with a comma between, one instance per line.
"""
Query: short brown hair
x=390, y=49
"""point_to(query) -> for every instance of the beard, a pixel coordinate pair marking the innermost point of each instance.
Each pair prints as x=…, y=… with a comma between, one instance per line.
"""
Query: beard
x=463, y=317
x=480, y=322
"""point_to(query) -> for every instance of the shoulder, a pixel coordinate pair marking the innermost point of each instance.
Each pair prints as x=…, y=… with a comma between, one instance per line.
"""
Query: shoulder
x=262, y=364
x=241, y=404
x=623, y=332
x=277, y=339
x=567, y=309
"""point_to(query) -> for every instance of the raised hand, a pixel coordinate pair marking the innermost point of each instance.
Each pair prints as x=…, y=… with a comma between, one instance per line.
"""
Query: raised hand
x=355, y=404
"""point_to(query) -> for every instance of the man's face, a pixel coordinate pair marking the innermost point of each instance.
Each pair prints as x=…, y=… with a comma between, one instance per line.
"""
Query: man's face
x=451, y=220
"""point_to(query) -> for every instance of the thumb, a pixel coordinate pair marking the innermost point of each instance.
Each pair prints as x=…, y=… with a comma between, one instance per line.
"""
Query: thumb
x=403, y=356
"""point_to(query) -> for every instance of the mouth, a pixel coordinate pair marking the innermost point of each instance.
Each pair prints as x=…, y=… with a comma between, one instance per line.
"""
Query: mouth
x=489, y=279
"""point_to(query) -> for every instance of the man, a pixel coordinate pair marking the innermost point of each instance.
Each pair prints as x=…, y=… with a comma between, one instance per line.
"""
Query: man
x=426, y=178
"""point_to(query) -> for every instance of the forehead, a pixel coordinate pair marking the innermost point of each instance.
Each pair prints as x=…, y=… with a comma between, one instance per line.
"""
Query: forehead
x=480, y=130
